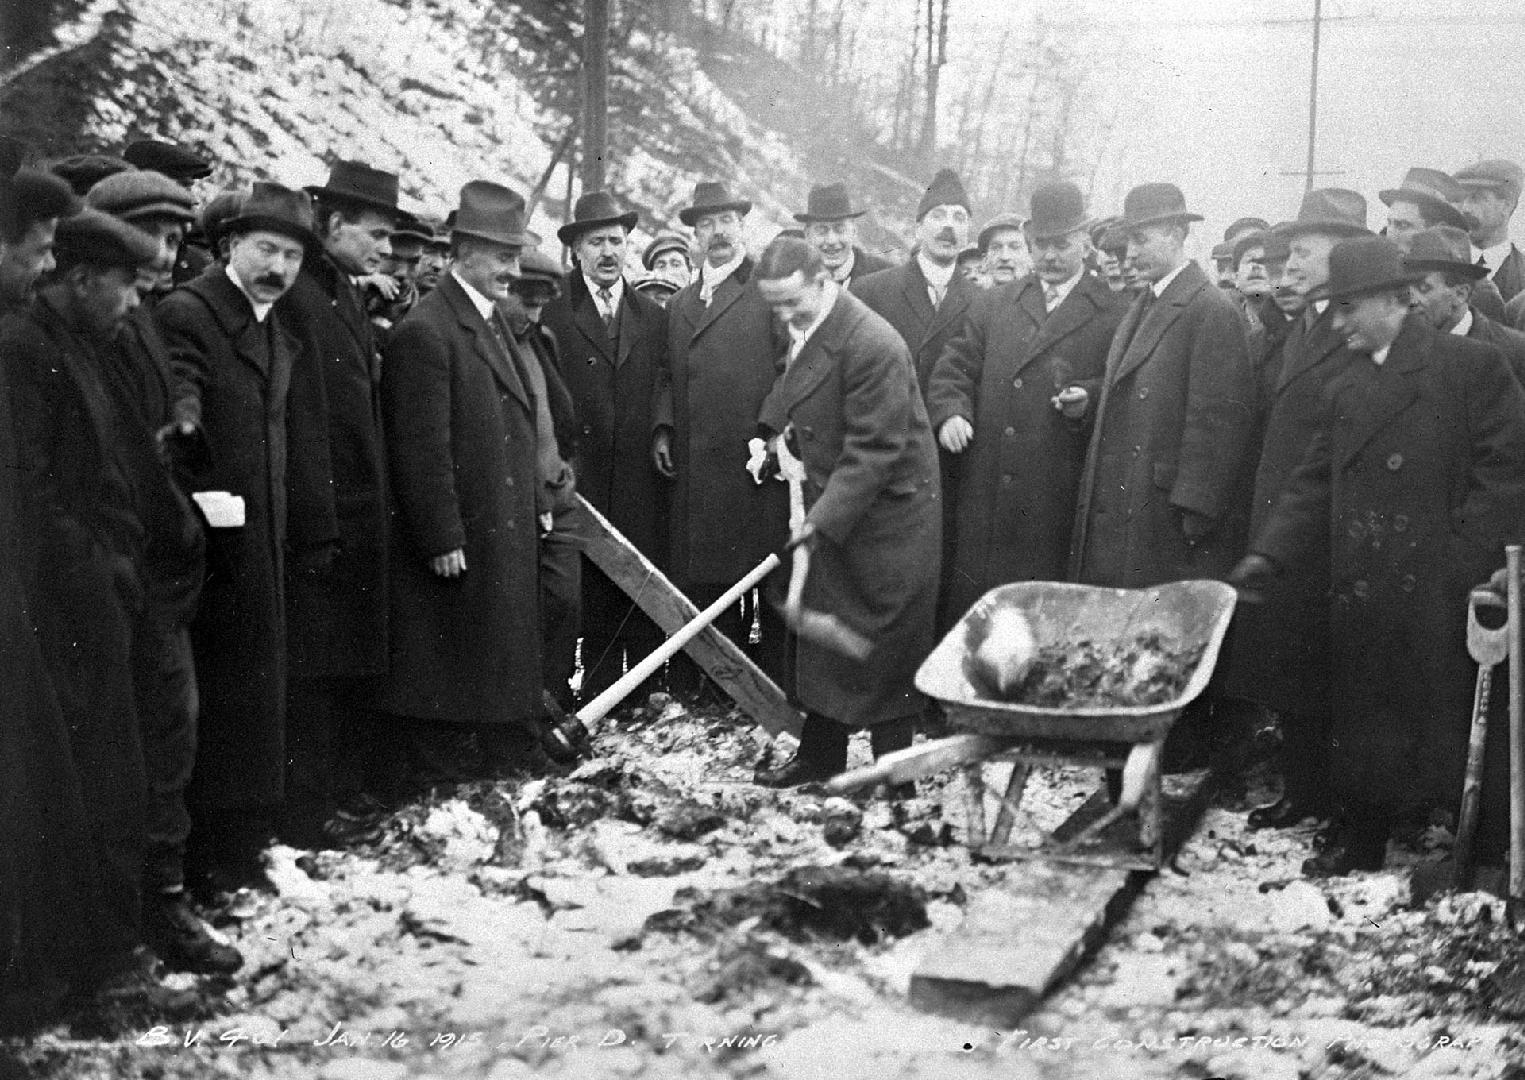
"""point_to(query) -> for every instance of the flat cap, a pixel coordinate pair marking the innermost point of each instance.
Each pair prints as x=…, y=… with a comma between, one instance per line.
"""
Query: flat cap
x=141, y=194
x=1498, y=174
x=175, y=162
x=83, y=171
x=99, y=239
x=538, y=266
x=37, y=196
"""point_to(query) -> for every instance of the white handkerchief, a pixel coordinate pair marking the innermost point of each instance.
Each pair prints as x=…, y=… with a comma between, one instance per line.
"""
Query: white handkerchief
x=222, y=509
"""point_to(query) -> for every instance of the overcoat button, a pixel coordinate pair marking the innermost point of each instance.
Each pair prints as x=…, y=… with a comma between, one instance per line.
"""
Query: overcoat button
x=1408, y=583
x=1143, y=393
x=1010, y=432
x=1006, y=480
x=1400, y=523
x=1017, y=383
x=592, y=360
x=1355, y=530
x=1361, y=590
x=1394, y=462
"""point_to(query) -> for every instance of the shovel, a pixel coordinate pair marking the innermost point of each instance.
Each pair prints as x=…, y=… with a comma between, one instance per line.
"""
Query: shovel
x=1489, y=647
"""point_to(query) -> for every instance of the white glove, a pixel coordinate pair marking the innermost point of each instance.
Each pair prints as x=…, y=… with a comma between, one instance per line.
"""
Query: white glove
x=758, y=460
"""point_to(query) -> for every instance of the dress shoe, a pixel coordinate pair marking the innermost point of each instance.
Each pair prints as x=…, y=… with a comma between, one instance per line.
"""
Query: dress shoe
x=1349, y=852
x=794, y=772
x=1285, y=812
x=182, y=940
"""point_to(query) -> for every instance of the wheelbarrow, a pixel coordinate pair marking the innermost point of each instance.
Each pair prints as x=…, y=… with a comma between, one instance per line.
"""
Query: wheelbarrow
x=1189, y=614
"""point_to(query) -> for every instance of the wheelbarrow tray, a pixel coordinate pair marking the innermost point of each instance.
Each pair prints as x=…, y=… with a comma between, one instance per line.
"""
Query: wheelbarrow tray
x=1187, y=613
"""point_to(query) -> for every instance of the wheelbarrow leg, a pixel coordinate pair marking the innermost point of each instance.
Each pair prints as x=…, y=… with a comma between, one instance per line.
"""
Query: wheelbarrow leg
x=1011, y=802
x=974, y=811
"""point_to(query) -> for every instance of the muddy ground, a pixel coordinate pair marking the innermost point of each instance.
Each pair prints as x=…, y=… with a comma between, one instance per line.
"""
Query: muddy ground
x=657, y=915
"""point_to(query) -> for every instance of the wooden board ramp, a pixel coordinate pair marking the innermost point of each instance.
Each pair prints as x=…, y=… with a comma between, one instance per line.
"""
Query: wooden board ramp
x=654, y=593
x=1019, y=942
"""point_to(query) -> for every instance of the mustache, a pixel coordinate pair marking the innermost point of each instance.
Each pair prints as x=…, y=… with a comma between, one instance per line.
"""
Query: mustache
x=275, y=281
x=948, y=236
x=719, y=242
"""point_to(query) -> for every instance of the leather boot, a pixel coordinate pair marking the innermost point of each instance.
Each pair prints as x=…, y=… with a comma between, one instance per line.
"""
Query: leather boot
x=822, y=754
x=182, y=940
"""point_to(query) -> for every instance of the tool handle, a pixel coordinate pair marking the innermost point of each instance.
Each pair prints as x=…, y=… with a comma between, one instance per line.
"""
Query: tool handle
x=1472, y=786
x=915, y=762
x=1516, y=730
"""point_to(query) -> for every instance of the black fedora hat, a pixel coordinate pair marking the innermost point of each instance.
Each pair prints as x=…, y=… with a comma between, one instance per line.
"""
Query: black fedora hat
x=1058, y=209
x=493, y=212
x=1362, y=266
x=1433, y=192
x=273, y=208
x=594, y=210
x=1152, y=204
x=829, y=202
x=1335, y=211
x=1444, y=248
x=357, y=184
x=711, y=197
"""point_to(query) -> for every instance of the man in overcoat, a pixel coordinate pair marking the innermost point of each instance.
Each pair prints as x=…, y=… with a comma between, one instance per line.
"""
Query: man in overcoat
x=234, y=358
x=1412, y=485
x=849, y=401
x=613, y=342
x=830, y=222
x=995, y=398
x=1490, y=196
x=722, y=352
x=1280, y=653
x=338, y=610
x=1157, y=497
x=466, y=442
x=1444, y=293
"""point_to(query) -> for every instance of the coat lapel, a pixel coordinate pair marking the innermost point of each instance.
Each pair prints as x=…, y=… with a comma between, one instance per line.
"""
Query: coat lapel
x=1382, y=393
x=1308, y=349
x=1162, y=314
x=816, y=360
x=234, y=314
x=914, y=289
x=955, y=303
x=486, y=343
x=1077, y=309
x=728, y=293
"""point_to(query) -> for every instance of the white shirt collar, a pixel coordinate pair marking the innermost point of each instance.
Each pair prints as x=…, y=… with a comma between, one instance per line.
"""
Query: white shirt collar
x=484, y=306
x=261, y=309
x=797, y=337
x=1493, y=256
x=711, y=277
x=1320, y=306
x=1380, y=356
x=1061, y=290
x=937, y=276
x=1159, y=287
x=617, y=290
x=1463, y=324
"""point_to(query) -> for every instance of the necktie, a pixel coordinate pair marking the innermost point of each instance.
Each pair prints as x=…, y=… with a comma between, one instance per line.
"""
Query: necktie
x=1050, y=297
x=936, y=294
x=607, y=307
x=500, y=332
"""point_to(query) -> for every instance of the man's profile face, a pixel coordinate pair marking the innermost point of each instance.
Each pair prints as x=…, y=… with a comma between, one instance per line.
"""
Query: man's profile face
x=1369, y=323
x=431, y=264
x=833, y=239
x=1308, y=262
x=1441, y=303
x=406, y=256
x=1404, y=219
x=105, y=296
x=489, y=267
x=26, y=261
x=265, y=263
x=1252, y=278
x=719, y=236
x=359, y=246
x=1489, y=208
x=796, y=300
x=1154, y=250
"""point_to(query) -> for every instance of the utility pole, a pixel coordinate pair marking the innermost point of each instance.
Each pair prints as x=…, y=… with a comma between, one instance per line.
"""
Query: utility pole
x=1318, y=15
x=595, y=93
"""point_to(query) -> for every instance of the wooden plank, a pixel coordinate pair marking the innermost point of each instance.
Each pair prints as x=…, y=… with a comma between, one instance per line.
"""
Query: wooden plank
x=1017, y=944
x=722, y=660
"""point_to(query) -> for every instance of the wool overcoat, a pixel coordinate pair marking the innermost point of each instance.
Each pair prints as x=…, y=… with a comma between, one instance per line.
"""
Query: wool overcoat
x=1414, y=483
x=1171, y=431
x=238, y=371
x=1509, y=342
x=722, y=362
x=856, y=416
x=1021, y=473
x=337, y=615
x=460, y=431
x=613, y=381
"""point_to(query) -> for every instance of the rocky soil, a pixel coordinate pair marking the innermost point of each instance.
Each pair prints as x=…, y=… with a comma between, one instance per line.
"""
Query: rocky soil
x=657, y=915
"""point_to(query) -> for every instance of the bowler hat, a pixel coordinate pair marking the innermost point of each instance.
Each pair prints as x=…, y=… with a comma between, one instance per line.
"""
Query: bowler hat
x=1009, y=222
x=594, y=210
x=1503, y=176
x=665, y=242
x=1056, y=209
x=1444, y=248
x=1244, y=225
x=273, y=208
x=140, y=194
x=829, y=202
x=83, y=171
x=1433, y=192
x=493, y=212
x=711, y=197
x=1363, y=265
x=99, y=239
x=1335, y=211
x=175, y=162
x=1152, y=204
x=357, y=184
x=218, y=211
x=946, y=189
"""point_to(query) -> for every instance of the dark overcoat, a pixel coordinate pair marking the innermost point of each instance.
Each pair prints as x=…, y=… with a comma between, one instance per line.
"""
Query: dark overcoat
x=865, y=264
x=722, y=361
x=871, y=491
x=1509, y=342
x=238, y=371
x=1510, y=275
x=1171, y=431
x=1414, y=483
x=1280, y=654
x=82, y=544
x=613, y=382
x=460, y=431
x=1021, y=473
x=899, y=296
x=337, y=616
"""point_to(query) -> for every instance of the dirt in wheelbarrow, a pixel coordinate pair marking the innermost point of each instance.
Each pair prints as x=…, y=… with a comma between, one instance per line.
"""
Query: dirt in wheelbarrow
x=657, y=915
x=1147, y=669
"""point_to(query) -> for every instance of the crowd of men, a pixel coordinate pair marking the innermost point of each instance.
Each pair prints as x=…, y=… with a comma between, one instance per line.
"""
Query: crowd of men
x=290, y=522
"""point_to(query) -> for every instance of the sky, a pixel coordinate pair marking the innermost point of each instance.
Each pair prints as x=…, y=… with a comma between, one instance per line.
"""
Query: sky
x=1213, y=94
